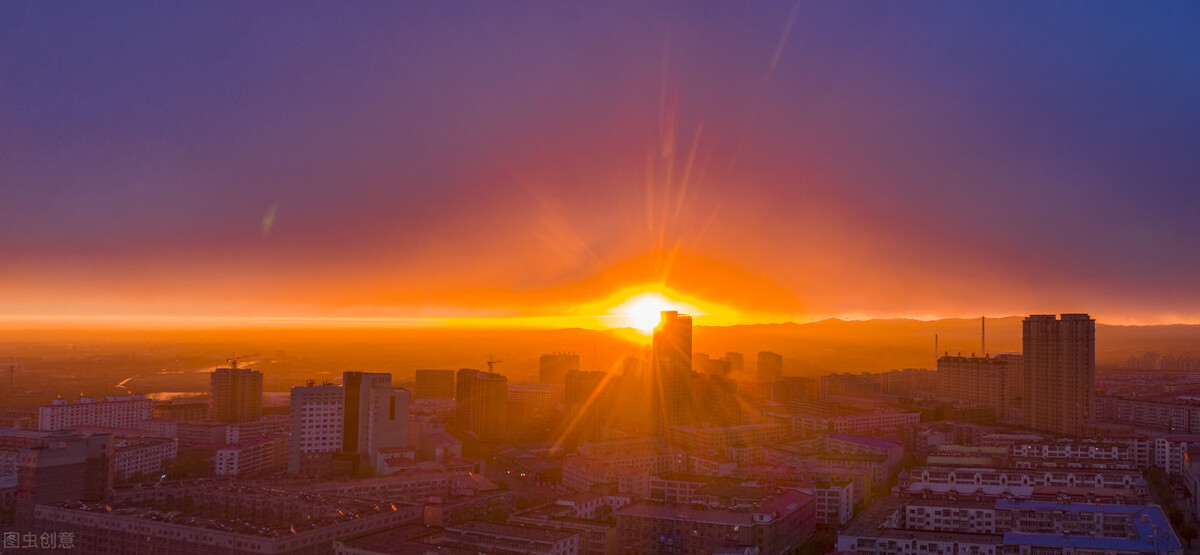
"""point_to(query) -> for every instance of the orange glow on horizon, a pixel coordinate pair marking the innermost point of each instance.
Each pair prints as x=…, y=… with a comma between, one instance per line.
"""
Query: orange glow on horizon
x=644, y=311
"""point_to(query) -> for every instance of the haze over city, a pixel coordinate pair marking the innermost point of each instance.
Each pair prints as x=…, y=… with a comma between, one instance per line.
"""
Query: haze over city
x=599, y=278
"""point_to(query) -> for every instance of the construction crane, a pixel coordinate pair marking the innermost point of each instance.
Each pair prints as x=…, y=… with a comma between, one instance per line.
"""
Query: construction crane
x=492, y=362
x=233, y=361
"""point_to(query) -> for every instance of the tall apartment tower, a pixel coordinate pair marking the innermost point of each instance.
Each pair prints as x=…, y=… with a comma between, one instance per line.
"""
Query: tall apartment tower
x=317, y=417
x=236, y=394
x=553, y=367
x=438, y=384
x=980, y=381
x=69, y=466
x=737, y=362
x=375, y=418
x=671, y=372
x=481, y=403
x=770, y=367
x=588, y=401
x=1060, y=372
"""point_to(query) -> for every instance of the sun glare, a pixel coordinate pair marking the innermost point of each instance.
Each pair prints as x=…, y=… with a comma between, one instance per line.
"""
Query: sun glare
x=643, y=311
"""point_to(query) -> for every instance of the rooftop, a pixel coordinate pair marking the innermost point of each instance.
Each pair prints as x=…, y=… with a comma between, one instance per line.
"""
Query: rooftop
x=870, y=441
x=511, y=531
x=326, y=510
x=405, y=540
x=782, y=504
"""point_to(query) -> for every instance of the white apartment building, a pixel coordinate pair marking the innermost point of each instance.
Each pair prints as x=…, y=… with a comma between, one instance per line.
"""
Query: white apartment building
x=854, y=423
x=115, y=411
x=250, y=457
x=149, y=457
x=316, y=426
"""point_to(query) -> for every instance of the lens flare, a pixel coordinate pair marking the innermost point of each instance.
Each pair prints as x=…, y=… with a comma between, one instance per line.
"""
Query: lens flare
x=643, y=311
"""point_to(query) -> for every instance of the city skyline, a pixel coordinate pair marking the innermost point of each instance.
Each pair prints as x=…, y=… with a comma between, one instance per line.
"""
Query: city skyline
x=538, y=167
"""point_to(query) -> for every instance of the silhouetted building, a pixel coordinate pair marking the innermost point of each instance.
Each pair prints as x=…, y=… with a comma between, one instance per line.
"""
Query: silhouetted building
x=482, y=403
x=68, y=465
x=438, y=384
x=236, y=394
x=375, y=419
x=718, y=395
x=187, y=408
x=793, y=389
x=864, y=384
x=737, y=362
x=770, y=367
x=530, y=401
x=581, y=385
x=553, y=367
x=1060, y=372
x=705, y=365
x=588, y=401
x=671, y=392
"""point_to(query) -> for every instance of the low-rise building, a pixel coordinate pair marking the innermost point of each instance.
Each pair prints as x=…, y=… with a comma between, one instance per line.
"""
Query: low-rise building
x=118, y=411
x=854, y=423
x=201, y=520
x=859, y=445
x=251, y=457
x=1169, y=452
x=717, y=438
x=491, y=537
x=896, y=526
x=778, y=525
x=146, y=456
x=487, y=505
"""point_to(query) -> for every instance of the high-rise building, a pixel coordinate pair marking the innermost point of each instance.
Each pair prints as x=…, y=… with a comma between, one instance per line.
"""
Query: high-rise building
x=671, y=392
x=437, y=384
x=464, y=387
x=68, y=466
x=707, y=366
x=532, y=401
x=770, y=367
x=737, y=362
x=183, y=408
x=553, y=367
x=1014, y=385
x=317, y=414
x=718, y=394
x=580, y=386
x=236, y=394
x=535, y=396
x=375, y=418
x=980, y=381
x=589, y=401
x=482, y=403
x=1060, y=372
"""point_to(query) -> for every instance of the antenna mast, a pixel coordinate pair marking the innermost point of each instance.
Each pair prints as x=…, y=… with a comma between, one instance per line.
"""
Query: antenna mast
x=983, y=335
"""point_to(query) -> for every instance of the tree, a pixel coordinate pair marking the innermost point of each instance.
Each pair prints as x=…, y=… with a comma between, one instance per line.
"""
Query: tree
x=1188, y=533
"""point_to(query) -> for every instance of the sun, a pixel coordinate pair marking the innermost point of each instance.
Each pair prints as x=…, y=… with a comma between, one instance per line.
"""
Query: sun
x=644, y=311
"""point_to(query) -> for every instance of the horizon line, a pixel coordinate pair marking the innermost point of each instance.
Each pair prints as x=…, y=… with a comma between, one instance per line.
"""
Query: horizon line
x=528, y=323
